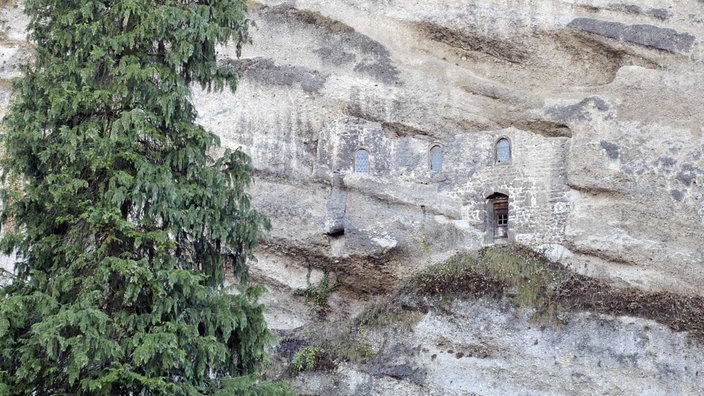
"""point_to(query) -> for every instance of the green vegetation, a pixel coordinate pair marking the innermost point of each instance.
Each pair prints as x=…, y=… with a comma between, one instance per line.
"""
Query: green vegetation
x=512, y=274
x=383, y=312
x=122, y=223
x=305, y=358
x=318, y=294
x=527, y=279
x=325, y=346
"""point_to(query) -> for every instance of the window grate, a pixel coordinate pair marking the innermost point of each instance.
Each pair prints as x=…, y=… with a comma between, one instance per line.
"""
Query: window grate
x=361, y=161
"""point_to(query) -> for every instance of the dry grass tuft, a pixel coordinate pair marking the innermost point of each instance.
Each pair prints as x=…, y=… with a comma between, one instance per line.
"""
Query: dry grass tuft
x=529, y=280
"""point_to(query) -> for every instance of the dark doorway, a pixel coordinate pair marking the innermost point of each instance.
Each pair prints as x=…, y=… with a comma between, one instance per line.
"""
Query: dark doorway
x=497, y=215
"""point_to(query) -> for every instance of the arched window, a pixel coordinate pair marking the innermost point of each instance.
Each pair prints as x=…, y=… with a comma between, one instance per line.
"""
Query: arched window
x=361, y=161
x=503, y=151
x=436, y=159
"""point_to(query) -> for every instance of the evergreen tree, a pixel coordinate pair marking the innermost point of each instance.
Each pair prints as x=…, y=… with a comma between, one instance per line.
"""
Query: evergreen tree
x=123, y=224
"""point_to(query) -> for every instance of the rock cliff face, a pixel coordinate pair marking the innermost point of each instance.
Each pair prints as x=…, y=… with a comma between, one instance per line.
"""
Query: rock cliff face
x=386, y=135
x=483, y=349
x=598, y=100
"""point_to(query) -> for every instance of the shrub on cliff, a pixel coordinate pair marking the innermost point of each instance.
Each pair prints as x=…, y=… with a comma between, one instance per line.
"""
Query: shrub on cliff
x=529, y=280
x=122, y=222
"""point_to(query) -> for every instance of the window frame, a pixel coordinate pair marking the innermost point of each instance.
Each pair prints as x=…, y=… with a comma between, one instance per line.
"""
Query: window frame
x=355, y=159
x=437, y=147
x=498, y=217
x=496, y=150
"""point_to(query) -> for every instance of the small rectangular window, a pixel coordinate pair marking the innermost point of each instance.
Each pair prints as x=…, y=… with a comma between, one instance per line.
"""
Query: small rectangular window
x=503, y=151
x=361, y=161
x=436, y=159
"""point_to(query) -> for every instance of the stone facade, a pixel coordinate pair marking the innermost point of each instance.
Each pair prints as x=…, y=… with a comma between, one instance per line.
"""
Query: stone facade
x=534, y=180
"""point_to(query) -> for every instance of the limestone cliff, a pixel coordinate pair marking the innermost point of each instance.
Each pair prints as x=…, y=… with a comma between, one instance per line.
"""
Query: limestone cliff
x=599, y=100
x=600, y=104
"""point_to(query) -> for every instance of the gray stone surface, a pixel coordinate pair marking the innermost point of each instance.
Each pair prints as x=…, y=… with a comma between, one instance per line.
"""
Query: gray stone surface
x=658, y=13
x=647, y=35
x=601, y=102
x=606, y=136
x=579, y=111
x=483, y=348
x=265, y=71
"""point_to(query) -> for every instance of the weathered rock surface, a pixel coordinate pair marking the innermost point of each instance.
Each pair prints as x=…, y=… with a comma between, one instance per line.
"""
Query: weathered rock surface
x=482, y=348
x=601, y=102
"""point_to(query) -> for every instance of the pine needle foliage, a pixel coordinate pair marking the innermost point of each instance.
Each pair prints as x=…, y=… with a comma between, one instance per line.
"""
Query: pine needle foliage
x=123, y=224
